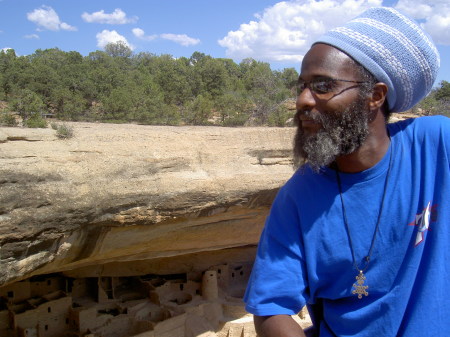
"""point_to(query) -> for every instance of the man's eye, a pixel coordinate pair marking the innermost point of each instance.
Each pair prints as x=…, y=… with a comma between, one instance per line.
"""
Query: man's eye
x=300, y=87
x=323, y=87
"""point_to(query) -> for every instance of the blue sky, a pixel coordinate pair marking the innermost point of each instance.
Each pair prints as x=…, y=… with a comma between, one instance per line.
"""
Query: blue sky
x=267, y=30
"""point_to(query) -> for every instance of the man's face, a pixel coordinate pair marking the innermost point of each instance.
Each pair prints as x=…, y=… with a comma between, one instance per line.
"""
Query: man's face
x=332, y=117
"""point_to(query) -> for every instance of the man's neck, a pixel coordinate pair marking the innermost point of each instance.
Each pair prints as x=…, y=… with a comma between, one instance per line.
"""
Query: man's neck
x=368, y=154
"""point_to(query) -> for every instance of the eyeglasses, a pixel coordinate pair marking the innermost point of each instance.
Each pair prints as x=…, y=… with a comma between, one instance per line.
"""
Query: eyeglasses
x=322, y=87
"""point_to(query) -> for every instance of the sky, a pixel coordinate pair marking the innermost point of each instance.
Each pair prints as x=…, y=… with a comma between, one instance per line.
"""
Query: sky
x=277, y=32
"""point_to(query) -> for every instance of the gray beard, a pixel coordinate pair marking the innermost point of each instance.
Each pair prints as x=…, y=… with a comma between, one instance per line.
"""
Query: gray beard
x=342, y=133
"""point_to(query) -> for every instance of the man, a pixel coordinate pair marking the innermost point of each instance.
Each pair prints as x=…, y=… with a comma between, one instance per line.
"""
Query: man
x=361, y=231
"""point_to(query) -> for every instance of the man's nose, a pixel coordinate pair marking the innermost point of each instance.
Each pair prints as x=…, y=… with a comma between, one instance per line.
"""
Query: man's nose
x=305, y=100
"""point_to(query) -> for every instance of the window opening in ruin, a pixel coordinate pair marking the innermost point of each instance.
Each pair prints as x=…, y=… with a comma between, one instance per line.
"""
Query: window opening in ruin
x=169, y=277
x=46, y=328
x=219, y=271
x=106, y=284
x=181, y=286
x=92, y=287
x=3, y=305
x=241, y=273
x=69, y=285
x=10, y=294
x=67, y=321
x=232, y=274
x=113, y=312
x=49, y=282
x=49, y=309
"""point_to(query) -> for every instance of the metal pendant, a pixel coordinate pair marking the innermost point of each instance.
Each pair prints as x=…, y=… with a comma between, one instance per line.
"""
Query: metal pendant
x=360, y=288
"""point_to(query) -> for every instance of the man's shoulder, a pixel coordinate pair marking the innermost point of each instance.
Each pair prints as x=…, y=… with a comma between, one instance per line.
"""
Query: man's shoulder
x=436, y=120
x=423, y=121
x=421, y=125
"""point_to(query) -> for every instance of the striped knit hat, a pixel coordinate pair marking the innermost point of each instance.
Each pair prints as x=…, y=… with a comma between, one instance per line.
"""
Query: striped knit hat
x=394, y=49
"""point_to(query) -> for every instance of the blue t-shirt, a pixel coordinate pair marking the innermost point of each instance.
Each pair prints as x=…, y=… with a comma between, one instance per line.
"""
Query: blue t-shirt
x=304, y=255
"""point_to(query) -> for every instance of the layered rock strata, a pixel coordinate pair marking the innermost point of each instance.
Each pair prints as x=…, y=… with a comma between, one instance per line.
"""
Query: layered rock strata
x=132, y=199
x=127, y=201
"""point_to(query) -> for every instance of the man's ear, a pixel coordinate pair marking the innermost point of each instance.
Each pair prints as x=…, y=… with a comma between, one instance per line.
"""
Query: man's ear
x=378, y=96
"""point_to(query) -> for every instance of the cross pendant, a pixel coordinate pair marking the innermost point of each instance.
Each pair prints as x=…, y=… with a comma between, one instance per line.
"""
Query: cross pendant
x=360, y=288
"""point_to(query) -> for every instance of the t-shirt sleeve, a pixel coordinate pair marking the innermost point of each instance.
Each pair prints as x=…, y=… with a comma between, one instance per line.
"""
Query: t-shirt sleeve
x=277, y=283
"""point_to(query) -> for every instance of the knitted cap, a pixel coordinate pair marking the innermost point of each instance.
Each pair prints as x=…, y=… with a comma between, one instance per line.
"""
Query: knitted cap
x=394, y=49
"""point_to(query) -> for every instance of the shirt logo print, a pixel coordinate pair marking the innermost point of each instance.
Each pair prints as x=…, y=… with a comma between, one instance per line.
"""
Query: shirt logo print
x=423, y=220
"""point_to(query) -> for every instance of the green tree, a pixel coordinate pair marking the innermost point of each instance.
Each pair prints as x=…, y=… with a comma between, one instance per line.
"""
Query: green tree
x=172, y=76
x=213, y=75
x=27, y=103
x=234, y=109
x=8, y=72
x=443, y=93
x=437, y=102
x=198, y=111
x=43, y=73
x=35, y=121
x=115, y=84
x=68, y=104
x=264, y=88
x=196, y=57
x=149, y=106
x=279, y=115
x=288, y=77
x=442, y=96
x=103, y=74
x=118, y=49
x=118, y=104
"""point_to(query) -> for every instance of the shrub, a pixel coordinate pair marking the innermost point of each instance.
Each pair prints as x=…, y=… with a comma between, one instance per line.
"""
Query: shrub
x=63, y=131
x=7, y=119
x=279, y=116
x=36, y=121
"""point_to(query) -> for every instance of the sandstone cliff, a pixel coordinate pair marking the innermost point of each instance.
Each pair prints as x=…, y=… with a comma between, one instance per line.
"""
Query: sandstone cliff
x=132, y=200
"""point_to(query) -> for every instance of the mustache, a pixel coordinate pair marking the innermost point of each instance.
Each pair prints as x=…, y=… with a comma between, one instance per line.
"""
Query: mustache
x=316, y=117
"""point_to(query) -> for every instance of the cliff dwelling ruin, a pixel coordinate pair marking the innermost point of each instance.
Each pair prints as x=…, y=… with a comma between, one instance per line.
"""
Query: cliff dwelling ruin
x=191, y=304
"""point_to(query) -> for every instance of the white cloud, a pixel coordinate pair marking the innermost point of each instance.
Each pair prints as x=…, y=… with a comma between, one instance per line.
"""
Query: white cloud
x=32, y=36
x=420, y=10
x=110, y=36
x=433, y=15
x=182, y=39
x=118, y=17
x=438, y=26
x=6, y=48
x=140, y=34
x=46, y=18
x=285, y=31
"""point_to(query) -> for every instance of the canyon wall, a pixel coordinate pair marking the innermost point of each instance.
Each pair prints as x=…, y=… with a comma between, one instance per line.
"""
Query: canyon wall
x=127, y=200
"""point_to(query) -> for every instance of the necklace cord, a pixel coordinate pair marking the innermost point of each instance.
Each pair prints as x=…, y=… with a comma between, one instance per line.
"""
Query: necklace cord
x=344, y=213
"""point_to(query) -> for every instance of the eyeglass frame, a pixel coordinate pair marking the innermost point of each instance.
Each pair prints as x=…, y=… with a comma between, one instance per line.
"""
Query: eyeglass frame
x=307, y=84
